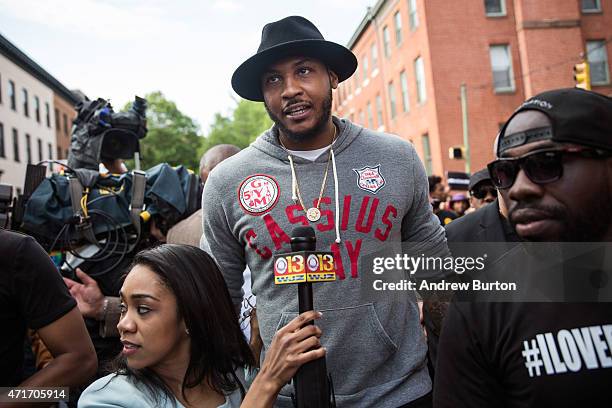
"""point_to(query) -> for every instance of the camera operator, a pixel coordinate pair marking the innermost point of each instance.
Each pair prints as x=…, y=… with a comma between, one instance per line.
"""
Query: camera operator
x=33, y=296
x=92, y=302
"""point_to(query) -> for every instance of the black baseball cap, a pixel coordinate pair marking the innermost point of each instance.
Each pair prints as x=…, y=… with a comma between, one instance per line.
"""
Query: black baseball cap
x=479, y=177
x=577, y=116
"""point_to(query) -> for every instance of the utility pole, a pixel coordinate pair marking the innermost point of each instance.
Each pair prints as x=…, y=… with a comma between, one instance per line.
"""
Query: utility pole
x=466, y=134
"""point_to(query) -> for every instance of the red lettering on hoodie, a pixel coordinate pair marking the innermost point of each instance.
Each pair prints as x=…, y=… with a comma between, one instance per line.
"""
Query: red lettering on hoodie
x=382, y=236
x=265, y=253
x=353, y=254
x=335, y=248
x=325, y=214
x=346, y=211
x=294, y=219
x=276, y=232
x=359, y=227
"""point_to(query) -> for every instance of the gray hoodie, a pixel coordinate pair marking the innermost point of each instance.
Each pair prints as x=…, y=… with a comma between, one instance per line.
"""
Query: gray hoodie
x=376, y=195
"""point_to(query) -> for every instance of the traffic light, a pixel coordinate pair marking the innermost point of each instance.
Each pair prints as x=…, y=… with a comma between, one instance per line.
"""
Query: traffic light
x=582, y=75
x=456, y=152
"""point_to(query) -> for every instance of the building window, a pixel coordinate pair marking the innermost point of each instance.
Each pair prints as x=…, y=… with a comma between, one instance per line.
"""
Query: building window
x=57, y=120
x=590, y=6
x=374, y=52
x=379, y=112
x=370, y=117
x=495, y=8
x=59, y=153
x=11, y=92
x=48, y=114
x=419, y=74
x=28, y=149
x=65, y=124
x=26, y=107
x=356, y=76
x=414, y=15
x=40, y=150
x=15, y=145
x=386, y=41
x=364, y=66
x=501, y=65
x=404, y=85
x=397, y=18
x=427, y=154
x=0, y=88
x=392, y=100
x=361, y=119
x=2, y=151
x=597, y=56
x=37, y=108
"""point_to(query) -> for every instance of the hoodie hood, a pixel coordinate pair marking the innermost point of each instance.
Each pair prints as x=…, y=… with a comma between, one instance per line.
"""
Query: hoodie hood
x=268, y=142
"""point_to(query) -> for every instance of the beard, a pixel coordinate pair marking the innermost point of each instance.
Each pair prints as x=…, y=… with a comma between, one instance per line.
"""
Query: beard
x=320, y=123
x=581, y=226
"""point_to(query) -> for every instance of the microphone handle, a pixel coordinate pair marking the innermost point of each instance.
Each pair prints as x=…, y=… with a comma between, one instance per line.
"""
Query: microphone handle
x=305, y=297
x=311, y=386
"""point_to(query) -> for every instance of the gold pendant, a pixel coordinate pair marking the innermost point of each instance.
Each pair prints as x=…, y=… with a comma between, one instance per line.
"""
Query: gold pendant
x=313, y=214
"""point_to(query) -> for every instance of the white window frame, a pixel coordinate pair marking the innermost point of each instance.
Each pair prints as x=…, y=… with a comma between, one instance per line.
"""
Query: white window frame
x=413, y=15
x=397, y=23
x=379, y=111
x=386, y=41
x=602, y=44
x=392, y=100
x=502, y=13
x=512, y=86
x=419, y=77
x=364, y=67
x=595, y=10
x=374, y=52
x=405, y=95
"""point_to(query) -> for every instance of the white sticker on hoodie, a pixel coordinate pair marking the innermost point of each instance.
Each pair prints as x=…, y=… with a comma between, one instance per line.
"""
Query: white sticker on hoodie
x=258, y=194
x=370, y=179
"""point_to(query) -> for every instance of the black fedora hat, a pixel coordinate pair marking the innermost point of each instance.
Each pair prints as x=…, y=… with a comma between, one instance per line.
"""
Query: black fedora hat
x=291, y=36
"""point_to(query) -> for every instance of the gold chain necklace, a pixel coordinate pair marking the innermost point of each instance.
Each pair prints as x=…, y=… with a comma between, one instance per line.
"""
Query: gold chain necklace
x=313, y=213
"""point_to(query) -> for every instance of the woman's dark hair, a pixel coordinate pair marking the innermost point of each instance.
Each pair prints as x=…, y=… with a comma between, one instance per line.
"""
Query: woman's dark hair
x=218, y=347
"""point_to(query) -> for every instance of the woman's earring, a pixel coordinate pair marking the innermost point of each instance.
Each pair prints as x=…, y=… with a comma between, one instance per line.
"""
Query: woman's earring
x=187, y=331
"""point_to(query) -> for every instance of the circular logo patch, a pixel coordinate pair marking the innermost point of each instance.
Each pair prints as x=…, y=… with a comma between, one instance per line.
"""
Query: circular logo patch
x=281, y=266
x=313, y=263
x=258, y=194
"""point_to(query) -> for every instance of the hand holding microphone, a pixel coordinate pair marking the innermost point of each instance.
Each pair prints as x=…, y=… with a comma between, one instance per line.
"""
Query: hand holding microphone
x=292, y=346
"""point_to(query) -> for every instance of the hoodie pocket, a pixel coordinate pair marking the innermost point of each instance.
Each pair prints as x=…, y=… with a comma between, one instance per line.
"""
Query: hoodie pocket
x=358, y=347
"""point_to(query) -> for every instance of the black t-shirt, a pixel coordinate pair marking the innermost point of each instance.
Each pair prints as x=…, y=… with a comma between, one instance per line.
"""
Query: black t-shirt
x=32, y=295
x=525, y=355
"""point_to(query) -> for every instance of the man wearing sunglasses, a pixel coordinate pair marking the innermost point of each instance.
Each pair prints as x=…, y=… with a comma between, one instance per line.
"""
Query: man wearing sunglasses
x=555, y=166
x=482, y=191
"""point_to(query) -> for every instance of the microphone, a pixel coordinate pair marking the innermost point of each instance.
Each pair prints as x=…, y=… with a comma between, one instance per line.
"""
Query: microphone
x=305, y=266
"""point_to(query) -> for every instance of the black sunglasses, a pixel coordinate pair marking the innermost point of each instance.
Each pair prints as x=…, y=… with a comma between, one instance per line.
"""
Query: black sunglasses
x=540, y=166
x=481, y=192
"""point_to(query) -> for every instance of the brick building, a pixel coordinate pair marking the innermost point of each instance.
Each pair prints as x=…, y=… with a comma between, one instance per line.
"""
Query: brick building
x=414, y=55
x=36, y=113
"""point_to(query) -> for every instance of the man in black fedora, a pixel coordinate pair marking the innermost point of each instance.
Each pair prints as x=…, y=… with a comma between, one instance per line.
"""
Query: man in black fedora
x=359, y=190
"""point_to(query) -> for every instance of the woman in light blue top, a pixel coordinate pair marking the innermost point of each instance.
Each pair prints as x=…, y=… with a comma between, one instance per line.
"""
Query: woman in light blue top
x=182, y=344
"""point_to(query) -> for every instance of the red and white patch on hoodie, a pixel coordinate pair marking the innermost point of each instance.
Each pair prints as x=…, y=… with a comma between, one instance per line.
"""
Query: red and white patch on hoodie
x=370, y=179
x=258, y=194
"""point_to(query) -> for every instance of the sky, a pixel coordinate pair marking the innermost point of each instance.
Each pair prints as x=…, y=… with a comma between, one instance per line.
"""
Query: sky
x=116, y=49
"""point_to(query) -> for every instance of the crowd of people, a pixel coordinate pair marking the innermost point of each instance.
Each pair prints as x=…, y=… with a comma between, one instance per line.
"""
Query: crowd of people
x=165, y=329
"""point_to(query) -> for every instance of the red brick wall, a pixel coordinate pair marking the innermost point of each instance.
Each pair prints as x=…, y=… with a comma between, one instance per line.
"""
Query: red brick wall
x=546, y=38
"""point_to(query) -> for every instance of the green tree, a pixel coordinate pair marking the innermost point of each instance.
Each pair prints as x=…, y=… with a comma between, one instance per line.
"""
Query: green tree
x=247, y=121
x=172, y=136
